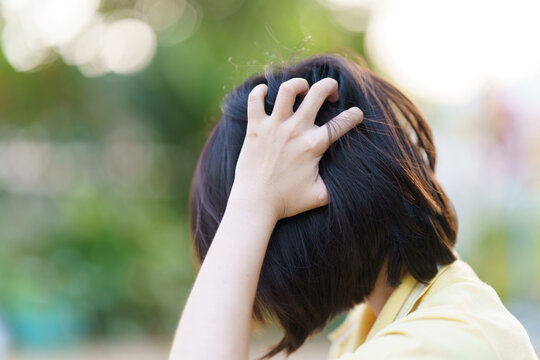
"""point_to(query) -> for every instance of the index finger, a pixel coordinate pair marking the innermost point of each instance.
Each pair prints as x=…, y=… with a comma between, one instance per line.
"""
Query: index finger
x=255, y=107
x=326, y=88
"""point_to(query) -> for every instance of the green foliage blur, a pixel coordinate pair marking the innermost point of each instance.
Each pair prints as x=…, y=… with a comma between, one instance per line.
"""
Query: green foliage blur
x=99, y=244
x=95, y=171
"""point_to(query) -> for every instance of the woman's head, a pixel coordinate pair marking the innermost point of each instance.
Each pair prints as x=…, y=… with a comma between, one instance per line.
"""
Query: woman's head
x=385, y=203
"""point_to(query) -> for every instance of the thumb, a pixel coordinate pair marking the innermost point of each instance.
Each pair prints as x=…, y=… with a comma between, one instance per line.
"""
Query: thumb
x=342, y=123
x=320, y=192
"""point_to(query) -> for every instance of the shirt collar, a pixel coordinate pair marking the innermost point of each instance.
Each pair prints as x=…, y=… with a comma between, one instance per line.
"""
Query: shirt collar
x=362, y=324
x=403, y=300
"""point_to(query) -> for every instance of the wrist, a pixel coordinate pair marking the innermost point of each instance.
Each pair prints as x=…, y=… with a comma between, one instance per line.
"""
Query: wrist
x=252, y=204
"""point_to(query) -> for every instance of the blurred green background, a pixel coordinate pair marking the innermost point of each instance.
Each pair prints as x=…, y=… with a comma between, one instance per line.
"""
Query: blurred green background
x=105, y=106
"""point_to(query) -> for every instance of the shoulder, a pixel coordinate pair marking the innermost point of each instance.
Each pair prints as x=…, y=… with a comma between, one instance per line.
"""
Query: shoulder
x=446, y=334
x=460, y=317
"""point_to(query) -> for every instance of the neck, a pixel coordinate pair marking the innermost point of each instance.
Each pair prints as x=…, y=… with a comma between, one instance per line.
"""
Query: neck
x=381, y=292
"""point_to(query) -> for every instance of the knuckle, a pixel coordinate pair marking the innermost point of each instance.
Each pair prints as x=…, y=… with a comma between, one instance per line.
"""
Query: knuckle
x=345, y=117
x=286, y=87
x=253, y=100
x=301, y=82
x=292, y=130
x=254, y=96
x=266, y=127
x=335, y=125
x=292, y=86
x=253, y=128
x=324, y=86
x=252, y=133
x=295, y=82
x=331, y=131
x=313, y=145
x=256, y=93
x=319, y=86
x=310, y=147
x=322, y=197
x=331, y=81
x=322, y=142
x=353, y=118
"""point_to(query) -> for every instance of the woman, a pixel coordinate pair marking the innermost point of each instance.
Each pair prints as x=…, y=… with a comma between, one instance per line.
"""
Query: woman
x=315, y=194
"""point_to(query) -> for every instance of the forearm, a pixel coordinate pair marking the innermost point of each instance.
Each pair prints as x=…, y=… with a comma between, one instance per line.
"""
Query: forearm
x=215, y=322
x=276, y=176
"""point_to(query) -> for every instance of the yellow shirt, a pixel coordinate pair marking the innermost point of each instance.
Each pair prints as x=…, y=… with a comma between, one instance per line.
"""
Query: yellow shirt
x=454, y=316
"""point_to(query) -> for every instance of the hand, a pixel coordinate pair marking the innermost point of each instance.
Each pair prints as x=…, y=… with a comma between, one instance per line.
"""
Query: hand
x=278, y=165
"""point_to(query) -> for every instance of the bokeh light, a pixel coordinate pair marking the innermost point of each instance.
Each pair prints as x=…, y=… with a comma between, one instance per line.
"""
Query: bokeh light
x=451, y=51
x=105, y=106
x=128, y=45
x=37, y=32
x=34, y=27
x=162, y=14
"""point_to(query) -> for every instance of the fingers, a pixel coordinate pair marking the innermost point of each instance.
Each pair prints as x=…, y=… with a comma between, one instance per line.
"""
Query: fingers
x=339, y=125
x=288, y=90
x=255, y=108
x=326, y=88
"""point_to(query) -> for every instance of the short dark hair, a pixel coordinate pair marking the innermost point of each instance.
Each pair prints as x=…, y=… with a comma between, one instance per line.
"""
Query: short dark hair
x=385, y=202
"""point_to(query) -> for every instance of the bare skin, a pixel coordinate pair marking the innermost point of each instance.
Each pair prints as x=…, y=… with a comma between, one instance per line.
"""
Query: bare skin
x=381, y=292
x=215, y=322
